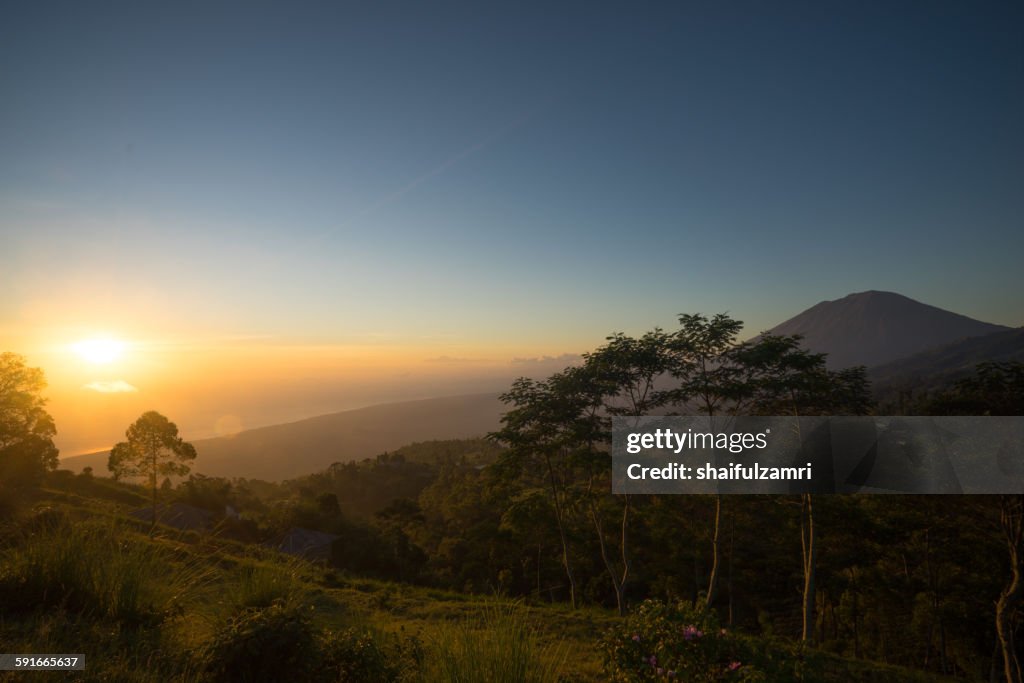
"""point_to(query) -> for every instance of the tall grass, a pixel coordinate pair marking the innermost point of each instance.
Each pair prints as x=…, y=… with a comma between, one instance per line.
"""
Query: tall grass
x=500, y=646
x=262, y=584
x=96, y=568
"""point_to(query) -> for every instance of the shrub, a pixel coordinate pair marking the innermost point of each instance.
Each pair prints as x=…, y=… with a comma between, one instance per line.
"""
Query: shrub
x=681, y=642
x=357, y=657
x=279, y=642
x=274, y=643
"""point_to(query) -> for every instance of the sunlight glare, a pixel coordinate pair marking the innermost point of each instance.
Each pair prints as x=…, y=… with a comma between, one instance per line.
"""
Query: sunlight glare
x=99, y=351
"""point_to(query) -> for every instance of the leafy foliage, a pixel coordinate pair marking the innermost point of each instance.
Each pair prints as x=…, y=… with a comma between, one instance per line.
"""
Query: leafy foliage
x=153, y=449
x=26, y=429
x=273, y=643
x=687, y=643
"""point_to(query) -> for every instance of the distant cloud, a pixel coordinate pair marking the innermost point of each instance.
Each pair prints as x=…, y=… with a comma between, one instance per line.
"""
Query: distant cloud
x=568, y=358
x=117, y=386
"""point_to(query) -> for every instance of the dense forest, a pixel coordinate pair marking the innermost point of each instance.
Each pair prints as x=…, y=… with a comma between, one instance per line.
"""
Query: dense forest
x=931, y=583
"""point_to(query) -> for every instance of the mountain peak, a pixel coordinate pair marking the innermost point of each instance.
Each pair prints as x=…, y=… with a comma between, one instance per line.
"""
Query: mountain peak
x=874, y=327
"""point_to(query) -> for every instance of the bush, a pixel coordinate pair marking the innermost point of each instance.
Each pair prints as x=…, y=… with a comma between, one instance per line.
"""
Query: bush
x=274, y=643
x=279, y=642
x=681, y=642
x=354, y=657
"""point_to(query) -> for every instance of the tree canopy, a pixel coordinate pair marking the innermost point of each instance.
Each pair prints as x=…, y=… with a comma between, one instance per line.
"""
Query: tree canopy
x=27, y=451
x=153, y=450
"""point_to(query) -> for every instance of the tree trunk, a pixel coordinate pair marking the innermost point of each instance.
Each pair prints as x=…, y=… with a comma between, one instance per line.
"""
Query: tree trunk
x=807, y=543
x=1010, y=598
x=625, y=550
x=617, y=582
x=732, y=535
x=713, y=578
x=538, y=571
x=152, y=483
x=855, y=616
x=559, y=519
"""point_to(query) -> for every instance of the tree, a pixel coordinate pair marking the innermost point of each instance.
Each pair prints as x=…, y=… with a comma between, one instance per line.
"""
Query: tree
x=153, y=449
x=787, y=380
x=700, y=358
x=623, y=374
x=26, y=429
x=1008, y=605
x=995, y=388
x=552, y=429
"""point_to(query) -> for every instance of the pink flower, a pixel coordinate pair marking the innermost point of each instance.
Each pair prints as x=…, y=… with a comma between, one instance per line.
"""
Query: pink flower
x=691, y=632
x=636, y=637
x=734, y=665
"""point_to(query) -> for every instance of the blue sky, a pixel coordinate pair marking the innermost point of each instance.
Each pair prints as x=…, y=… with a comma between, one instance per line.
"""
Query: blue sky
x=287, y=209
x=532, y=175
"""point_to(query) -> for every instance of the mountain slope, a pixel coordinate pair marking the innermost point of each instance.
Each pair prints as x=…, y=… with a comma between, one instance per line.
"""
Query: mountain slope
x=946, y=364
x=296, y=448
x=872, y=328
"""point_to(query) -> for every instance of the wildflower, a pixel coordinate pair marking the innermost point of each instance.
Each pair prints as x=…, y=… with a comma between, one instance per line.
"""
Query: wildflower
x=636, y=637
x=652, y=660
x=659, y=671
x=671, y=673
x=734, y=665
x=691, y=632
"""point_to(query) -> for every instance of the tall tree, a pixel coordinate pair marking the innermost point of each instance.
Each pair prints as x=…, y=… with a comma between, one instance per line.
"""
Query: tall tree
x=623, y=374
x=784, y=379
x=26, y=429
x=1010, y=599
x=546, y=431
x=997, y=388
x=153, y=450
x=700, y=359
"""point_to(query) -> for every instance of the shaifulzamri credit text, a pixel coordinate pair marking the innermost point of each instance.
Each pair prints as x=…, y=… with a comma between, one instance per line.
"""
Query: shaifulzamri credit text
x=734, y=471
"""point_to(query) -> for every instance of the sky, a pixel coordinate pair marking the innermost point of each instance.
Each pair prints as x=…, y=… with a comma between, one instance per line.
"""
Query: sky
x=290, y=208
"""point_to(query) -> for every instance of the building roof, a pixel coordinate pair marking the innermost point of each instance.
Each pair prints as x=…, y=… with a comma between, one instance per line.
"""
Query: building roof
x=307, y=543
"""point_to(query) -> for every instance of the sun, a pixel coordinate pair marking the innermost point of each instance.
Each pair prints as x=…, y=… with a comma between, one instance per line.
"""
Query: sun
x=99, y=351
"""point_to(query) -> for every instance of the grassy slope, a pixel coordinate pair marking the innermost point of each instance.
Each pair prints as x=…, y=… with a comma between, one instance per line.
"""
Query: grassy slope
x=229, y=574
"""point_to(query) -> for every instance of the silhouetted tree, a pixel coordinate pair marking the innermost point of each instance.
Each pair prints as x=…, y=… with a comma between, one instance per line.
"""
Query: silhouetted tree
x=552, y=429
x=784, y=379
x=26, y=429
x=700, y=358
x=153, y=449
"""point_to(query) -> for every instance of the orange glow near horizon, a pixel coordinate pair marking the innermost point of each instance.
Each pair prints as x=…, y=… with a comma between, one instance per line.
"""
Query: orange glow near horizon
x=102, y=379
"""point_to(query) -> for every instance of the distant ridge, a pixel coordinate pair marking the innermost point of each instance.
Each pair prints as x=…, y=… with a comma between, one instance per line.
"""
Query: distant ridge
x=946, y=364
x=871, y=328
x=289, y=450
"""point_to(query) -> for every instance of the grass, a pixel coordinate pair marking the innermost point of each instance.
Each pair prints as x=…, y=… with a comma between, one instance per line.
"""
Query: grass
x=500, y=646
x=260, y=584
x=81, y=577
x=98, y=569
